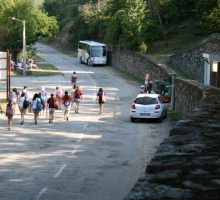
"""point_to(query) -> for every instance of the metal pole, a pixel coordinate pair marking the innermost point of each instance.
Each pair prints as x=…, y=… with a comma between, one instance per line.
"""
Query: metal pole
x=24, y=45
x=24, y=49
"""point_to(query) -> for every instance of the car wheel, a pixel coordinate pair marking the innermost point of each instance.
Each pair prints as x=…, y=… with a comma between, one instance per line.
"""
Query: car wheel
x=160, y=119
x=165, y=116
x=132, y=119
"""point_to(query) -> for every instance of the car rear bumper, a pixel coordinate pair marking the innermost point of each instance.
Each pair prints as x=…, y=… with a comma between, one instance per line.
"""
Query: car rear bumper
x=144, y=115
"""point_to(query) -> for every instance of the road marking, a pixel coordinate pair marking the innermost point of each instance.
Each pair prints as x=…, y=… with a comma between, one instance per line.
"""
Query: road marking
x=40, y=194
x=60, y=171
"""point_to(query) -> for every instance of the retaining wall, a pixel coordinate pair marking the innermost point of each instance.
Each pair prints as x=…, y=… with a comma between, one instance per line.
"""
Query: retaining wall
x=186, y=164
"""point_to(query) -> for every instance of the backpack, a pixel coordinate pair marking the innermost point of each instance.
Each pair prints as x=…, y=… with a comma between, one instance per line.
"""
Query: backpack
x=26, y=103
x=42, y=96
x=39, y=107
x=66, y=103
x=9, y=111
x=58, y=94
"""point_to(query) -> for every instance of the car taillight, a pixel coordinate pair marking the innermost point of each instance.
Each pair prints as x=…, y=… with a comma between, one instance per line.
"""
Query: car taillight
x=133, y=106
x=157, y=107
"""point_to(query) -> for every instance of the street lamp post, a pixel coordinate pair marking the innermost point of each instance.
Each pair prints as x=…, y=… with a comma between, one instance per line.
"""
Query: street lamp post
x=24, y=45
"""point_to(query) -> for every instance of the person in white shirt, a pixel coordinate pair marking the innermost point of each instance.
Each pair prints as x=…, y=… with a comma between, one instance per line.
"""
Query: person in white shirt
x=22, y=110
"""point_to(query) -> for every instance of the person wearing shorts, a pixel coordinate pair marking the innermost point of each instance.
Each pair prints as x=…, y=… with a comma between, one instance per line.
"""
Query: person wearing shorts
x=50, y=105
x=66, y=100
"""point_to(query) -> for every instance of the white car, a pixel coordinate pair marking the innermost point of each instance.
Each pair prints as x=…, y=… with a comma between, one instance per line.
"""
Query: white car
x=147, y=106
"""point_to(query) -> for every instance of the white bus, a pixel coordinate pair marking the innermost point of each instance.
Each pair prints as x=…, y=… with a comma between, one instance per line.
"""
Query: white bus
x=88, y=48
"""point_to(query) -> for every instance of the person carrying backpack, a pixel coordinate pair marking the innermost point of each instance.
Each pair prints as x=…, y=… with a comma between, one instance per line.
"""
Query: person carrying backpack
x=36, y=106
x=66, y=100
x=58, y=95
x=10, y=111
x=23, y=106
x=43, y=98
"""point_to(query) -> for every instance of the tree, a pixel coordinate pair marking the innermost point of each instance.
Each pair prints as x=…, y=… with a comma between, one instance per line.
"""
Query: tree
x=38, y=24
x=127, y=23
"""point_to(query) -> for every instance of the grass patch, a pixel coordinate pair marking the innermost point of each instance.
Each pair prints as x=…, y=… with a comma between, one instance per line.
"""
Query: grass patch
x=174, y=116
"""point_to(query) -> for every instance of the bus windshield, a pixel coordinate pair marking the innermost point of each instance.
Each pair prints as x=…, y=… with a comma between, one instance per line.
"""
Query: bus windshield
x=98, y=51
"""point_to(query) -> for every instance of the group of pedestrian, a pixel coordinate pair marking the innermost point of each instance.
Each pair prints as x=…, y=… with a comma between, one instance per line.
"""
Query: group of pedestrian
x=57, y=101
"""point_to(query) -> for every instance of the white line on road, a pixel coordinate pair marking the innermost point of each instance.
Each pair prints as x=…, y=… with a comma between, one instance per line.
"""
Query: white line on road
x=60, y=171
x=40, y=194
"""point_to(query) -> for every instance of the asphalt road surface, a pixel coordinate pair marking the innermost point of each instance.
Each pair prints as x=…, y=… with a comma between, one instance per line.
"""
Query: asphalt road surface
x=89, y=157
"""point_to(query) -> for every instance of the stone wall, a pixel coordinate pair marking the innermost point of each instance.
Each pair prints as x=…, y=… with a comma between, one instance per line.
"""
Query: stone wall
x=186, y=164
x=190, y=60
x=139, y=65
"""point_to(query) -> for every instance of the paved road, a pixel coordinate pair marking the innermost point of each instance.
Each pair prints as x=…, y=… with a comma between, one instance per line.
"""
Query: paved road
x=90, y=157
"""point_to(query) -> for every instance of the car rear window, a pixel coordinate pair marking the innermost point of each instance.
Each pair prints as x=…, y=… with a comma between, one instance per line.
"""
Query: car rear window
x=146, y=100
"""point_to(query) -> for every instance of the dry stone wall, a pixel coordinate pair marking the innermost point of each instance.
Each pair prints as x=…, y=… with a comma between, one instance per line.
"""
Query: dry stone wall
x=186, y=164
x=139, y=65
x=190, y=59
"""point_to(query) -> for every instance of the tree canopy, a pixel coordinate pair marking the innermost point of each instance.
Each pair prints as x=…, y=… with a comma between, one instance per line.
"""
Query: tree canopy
x=133, y=24
x=37, y=24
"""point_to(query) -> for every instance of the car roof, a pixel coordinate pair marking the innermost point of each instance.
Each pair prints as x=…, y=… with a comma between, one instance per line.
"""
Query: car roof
x=148, y=95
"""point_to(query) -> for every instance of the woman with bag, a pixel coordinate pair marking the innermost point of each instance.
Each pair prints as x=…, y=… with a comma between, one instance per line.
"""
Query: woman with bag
x=21, y=107
x=52, y=105
x=101, y=99
x=66, y=104
x=10, y=111
x=36, y=106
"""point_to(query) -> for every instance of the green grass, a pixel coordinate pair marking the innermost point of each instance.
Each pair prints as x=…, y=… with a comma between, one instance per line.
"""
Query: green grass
x=160, y=52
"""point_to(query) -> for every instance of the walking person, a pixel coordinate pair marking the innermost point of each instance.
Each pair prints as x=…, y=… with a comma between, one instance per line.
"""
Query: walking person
x=25, y=91
x=43, y=98
x=77, y=98
x=59, y=95
x=73, y=95
x=50, y=104
x=73, y=78
x=21, y=107
x=10, y=110
x=36, y=100
x=66, y=100
x=101, y=99
x=14, y=97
